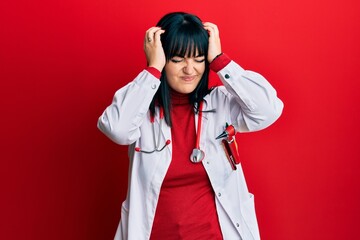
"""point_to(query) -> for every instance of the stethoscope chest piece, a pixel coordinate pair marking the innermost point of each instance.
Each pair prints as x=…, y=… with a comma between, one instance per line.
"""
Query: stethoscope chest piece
x=197, y=155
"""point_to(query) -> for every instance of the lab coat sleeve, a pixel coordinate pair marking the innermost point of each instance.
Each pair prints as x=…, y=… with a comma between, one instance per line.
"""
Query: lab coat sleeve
x=122, y=119
x=254, y=104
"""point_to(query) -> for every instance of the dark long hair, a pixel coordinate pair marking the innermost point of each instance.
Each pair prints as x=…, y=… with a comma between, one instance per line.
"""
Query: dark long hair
x=184, y=35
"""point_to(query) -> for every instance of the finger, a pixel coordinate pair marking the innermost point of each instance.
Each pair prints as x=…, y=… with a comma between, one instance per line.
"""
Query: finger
x=157, y=34
x=209, y=24
x=212, y=28
x=150, y=33
x=152, y=30
x=210, y=31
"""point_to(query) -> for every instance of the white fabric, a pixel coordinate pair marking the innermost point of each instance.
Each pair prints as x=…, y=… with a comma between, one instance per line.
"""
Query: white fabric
x=246, y=100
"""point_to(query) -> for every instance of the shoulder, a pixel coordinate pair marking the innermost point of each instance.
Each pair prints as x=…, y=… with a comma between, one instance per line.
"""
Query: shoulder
x=219, y=92
x=218, y=95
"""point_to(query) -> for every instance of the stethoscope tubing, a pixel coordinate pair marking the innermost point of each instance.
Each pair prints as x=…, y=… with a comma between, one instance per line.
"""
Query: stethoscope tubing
x=157, y=142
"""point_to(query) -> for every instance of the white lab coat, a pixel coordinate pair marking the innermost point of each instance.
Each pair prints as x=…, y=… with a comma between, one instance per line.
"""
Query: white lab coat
x=246, y=100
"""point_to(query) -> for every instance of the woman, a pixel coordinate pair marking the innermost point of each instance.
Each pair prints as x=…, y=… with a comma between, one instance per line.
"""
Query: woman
x=181, y=183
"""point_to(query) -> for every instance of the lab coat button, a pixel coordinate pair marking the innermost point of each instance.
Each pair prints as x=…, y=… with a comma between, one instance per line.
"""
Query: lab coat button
x=227, y=76
x=219, y=194
x=153, y=86
x=237, y=225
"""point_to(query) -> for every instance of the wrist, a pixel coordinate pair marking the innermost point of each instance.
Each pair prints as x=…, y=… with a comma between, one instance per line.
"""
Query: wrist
x=158, y=67
x=220, y=62
x=154, y=71
x=218, y=55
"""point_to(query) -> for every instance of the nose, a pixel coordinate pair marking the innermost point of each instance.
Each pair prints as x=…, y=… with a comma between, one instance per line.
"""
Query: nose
x=189, y=67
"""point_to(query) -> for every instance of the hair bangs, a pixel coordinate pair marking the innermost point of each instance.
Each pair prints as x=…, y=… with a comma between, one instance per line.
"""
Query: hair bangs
x=188, y=41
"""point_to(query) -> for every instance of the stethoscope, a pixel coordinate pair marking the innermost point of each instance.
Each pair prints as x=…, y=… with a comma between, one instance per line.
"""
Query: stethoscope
x=152, y=120
x=197, y=154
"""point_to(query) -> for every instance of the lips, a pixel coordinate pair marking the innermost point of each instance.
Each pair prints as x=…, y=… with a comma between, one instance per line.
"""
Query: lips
x=188, y=78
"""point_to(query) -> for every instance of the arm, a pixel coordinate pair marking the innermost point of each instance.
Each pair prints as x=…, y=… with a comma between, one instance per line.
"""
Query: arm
x=121, y=120
x=254, y=104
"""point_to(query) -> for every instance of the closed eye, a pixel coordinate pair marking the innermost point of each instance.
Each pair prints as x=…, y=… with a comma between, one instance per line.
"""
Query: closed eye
x=199, y=58
x=177, y=59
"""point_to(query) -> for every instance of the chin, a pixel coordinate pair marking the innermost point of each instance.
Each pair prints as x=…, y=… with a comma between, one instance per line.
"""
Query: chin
x=187, y=91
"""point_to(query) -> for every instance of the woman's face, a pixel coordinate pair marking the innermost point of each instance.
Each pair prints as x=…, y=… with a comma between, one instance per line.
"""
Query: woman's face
x=184, y=74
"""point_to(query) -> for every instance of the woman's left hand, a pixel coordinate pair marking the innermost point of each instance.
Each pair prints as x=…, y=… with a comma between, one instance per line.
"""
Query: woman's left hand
x=214, y=40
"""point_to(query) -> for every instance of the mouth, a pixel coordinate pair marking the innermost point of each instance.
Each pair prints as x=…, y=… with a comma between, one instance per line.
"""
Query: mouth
x=188, y=78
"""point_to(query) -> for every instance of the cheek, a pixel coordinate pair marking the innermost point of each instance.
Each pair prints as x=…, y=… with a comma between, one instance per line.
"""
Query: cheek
x=170, y=70
x=201, y=69
x=170, y=73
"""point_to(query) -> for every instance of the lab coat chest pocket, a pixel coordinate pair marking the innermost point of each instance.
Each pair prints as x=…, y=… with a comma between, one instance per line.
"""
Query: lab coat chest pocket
x=223, y=163
x=215, y=156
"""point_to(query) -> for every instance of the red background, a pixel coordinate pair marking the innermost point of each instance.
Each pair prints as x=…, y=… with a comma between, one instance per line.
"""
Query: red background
x=62, y=61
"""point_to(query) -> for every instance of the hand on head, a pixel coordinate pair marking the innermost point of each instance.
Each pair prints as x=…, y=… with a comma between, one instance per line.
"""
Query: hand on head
x=154, y=51
x=214, y=40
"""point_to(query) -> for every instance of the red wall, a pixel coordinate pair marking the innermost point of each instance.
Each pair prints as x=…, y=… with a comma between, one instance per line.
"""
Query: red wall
x=61, y=62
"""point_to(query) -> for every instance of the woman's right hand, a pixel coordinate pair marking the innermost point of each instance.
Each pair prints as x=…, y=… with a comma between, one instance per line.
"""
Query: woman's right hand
x=154, y=51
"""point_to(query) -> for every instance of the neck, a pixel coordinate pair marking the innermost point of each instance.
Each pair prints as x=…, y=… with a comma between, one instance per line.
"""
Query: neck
x=179, y=98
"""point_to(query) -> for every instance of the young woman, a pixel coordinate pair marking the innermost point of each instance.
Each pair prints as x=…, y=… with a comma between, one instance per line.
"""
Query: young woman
x=181, y=182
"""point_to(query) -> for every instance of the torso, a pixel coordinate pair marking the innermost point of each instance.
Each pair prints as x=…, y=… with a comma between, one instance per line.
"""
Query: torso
x=186, y=207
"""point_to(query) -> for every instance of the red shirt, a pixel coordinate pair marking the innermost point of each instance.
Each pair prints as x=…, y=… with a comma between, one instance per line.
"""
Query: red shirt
x=186, y=208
